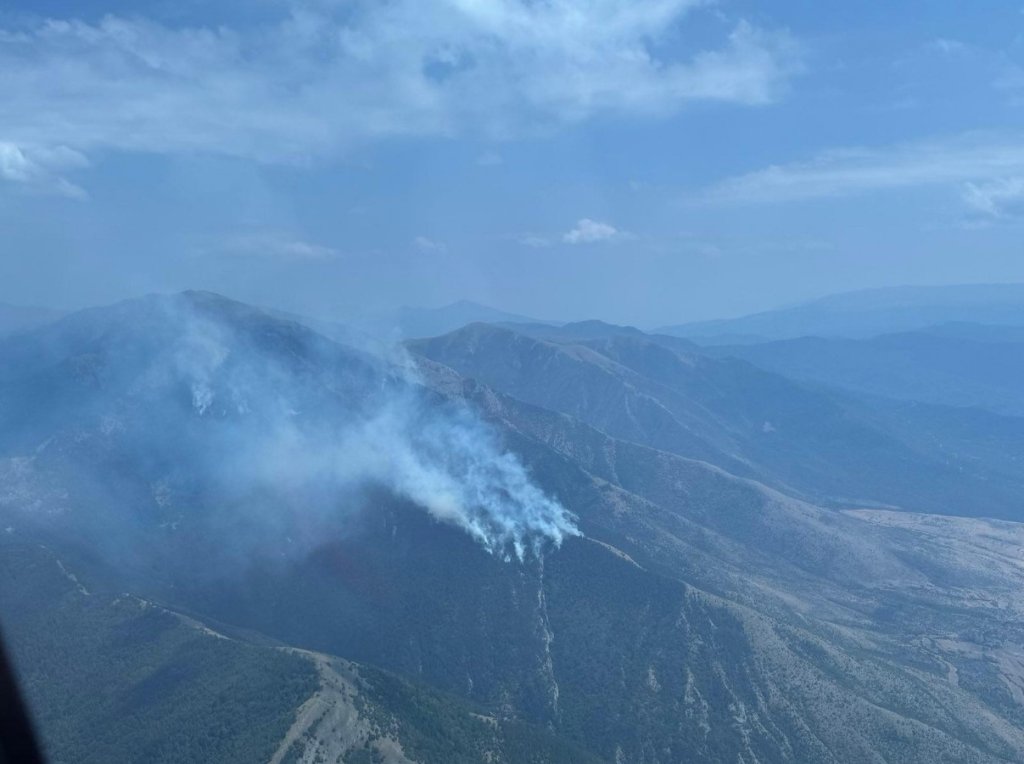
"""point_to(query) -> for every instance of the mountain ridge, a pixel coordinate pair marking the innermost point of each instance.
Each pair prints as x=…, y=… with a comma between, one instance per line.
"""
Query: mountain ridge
x=698, y=615
x=866, y=313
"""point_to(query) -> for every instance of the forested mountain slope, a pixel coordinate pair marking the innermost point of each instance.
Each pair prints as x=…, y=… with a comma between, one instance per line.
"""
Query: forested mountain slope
x=634, y=576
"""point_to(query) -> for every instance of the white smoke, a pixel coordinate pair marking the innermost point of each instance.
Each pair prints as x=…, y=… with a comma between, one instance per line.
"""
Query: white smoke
x=439, y=455
x=453, y=466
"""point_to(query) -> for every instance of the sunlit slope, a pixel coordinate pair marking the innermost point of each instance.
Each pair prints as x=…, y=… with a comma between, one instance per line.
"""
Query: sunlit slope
x=649, y=389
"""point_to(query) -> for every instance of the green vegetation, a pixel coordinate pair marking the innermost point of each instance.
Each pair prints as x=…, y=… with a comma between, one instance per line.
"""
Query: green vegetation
x=115, y=679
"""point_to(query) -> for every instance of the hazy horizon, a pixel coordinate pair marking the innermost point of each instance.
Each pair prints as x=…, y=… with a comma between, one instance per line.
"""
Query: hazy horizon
x=644, y=164
x=342, y=315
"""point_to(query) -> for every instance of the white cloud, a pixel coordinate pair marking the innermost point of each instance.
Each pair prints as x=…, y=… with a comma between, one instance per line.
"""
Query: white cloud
x=947, y=46
x=330, y=75
x=534, y=240
x=273, y=245
x=1000, y=198
x=40, y=169
x=424, y=244
x=973, y=158
x=588, y=231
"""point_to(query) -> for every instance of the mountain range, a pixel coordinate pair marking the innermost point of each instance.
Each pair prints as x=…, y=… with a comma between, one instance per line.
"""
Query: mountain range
x=958, y=364
x=867, y=313
x=410, y=321
x=514, y=542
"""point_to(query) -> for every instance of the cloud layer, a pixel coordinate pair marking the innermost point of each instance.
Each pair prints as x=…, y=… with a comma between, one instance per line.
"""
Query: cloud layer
x=983, y=166
x=327, y=76
x=274, y=245
x=999, y=198
x=40, y=169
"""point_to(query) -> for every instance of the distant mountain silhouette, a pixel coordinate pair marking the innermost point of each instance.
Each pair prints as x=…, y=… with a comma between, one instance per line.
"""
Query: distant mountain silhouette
x=412, y=322
x=17, y=318
x=867, y=313
x=957, y=364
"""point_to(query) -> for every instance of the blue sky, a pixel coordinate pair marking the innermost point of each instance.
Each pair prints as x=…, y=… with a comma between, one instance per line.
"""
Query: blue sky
x=643, y=162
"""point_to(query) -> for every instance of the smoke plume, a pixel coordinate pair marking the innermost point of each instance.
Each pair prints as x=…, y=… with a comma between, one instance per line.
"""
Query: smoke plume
x=268, y=408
